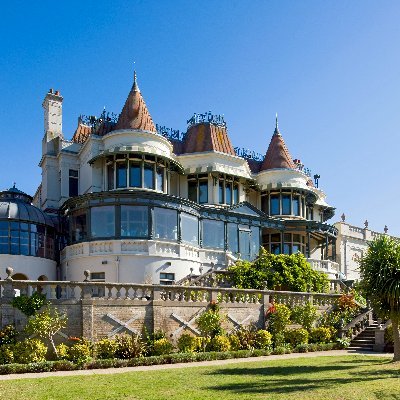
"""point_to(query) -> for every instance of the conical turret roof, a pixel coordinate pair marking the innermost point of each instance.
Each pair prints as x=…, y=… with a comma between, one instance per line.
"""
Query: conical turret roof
x=135, y=114
x=277, y=155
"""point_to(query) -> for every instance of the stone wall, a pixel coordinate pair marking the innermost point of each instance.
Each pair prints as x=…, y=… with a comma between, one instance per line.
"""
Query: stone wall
x=129, y=308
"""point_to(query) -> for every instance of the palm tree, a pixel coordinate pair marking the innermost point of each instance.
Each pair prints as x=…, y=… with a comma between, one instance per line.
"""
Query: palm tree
x=380, y=280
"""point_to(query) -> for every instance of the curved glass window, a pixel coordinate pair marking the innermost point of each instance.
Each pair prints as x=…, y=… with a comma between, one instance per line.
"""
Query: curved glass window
x=110, y=176
x=274, y=205
x=213, y=234
x=102, y=221
x=4, y=237
x=165, y=224
x=134, y=221
x=26, y=239
x=190, y=229
x=286, y=204
x=137, y=171
x=160, y=178
x=121, y=175
x=148, y=176
x=135, y=174
x=296, y=205
x=78, y=223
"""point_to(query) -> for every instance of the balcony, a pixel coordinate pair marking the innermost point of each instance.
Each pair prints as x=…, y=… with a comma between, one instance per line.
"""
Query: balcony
x=329, y=267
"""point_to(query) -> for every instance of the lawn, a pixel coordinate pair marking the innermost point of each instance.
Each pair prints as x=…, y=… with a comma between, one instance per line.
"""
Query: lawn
x=344, y=377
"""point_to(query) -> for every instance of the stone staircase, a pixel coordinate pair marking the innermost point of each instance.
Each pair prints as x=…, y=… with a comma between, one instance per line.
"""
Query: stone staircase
x=365, y=340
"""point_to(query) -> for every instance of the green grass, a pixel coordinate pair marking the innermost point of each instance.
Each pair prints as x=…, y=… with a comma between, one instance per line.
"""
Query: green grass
x=345, y=377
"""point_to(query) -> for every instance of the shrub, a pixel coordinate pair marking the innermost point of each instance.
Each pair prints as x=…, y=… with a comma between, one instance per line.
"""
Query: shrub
x=162, y=346
x=389, y=335
x=129, y=346
x=234, y=342
x=201, y=343
x=80, y=352
x=150, y=338
x=29, y=304
x=29, y=351
x=220, y=343
x=105, y=348
x=8, y=335
x=187, y=343
x=210, y=322
x=320, y=335
x=301, y=348
x=263, y=339
x=247, y=337
x=279, y=339
x=278, y=318
x=62, y=351
x=343, y=343
x=347, y=302
x=6, y=354
x=304, y=315
x=296, y=336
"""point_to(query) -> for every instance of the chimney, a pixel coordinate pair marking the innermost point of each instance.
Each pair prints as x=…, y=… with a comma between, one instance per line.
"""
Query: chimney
x=52, y=105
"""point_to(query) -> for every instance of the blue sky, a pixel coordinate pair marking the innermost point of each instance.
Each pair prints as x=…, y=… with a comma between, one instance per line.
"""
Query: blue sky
x=329, y=68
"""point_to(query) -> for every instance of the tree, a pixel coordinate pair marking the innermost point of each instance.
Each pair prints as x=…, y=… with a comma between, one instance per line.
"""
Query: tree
x=278, y=272
x=380, y=282
x=46, y=324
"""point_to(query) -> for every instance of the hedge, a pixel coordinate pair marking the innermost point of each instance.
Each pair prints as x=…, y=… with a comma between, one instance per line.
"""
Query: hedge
x=174, y=358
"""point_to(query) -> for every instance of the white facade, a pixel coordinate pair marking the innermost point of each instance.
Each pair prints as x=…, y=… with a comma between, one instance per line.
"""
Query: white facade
x=142, y=207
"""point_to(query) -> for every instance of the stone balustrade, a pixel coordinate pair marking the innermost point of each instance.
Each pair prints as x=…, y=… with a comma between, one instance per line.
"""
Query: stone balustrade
x=66, y=290
x=329, y=267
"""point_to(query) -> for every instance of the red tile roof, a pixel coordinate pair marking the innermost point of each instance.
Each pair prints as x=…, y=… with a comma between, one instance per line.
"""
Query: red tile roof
x=82, y=133
x=207, y=137
x=135, y=114
x=277, y=155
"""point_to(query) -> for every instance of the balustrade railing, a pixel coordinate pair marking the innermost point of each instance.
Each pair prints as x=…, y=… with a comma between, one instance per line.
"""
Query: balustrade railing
x=357, y=325
x=68, y=290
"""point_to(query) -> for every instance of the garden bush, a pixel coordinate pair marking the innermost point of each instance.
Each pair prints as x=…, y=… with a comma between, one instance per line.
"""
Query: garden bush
x=210, y=322
x=62, y=351
x=220, y=343
x=6, y=354
x=320, y=335
x=80, y=352
x=29, y=304
x=29, y=351
x=162, y=346
x=296, y=336
x=187, y=343
x=129, y=346
x=234, y=341
x=263, y=339
x=305, y=315
x=247, y=337
x=8, y=335
x=105, y=348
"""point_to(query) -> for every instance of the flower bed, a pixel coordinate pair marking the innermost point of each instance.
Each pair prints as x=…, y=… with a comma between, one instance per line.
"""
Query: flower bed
x=174, y=358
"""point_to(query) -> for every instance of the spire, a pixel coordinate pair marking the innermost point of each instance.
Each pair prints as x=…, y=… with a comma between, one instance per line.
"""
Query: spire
x=276, y=131
x=134, y=114
x=135, y=86
x=277, y=155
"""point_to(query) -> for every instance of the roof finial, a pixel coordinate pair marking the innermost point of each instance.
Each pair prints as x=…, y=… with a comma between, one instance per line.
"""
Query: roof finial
x=276, y=132
x=14, y=184
x=135, y=85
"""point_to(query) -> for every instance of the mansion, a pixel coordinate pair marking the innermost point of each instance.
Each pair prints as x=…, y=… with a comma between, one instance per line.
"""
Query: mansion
x=132, y=201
